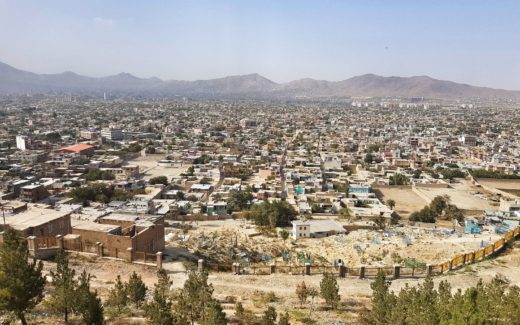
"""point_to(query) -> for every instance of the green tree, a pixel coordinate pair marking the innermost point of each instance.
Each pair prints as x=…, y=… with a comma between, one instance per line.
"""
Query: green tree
x=382, y=301
x=329, y=290
x=213, y=314
x=180, y=195
x=439, y=203
x=136, y=289
x=390, y=203
x=63, y=280
x=239, y=310
x=158, y=311
x=117, y=297
x=21, y=280
x=159, y=180
x=453, y=213
x=276, y=214
x=283, y=319
x=238, y=201
x=284, y=234
x=398, y=179
x=195, y=296
x=96, y=174
x=269, y=316
x=394, y=218
x=88, y=304
x=369, y=158
x=380, y=222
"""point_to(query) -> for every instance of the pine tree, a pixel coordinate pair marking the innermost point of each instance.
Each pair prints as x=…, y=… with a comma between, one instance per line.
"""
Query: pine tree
x=381, y=307
x=269, y=316
x=239, y=310
x=136, y=289
x=283, y=319
x=21, y=281
x=213, y=314
x=117, y=296
x=195, y=295
x=163, y=283
x=65, y=285
x=329, y=290
x=88, y=304
x=302, y=293
x=158, y=311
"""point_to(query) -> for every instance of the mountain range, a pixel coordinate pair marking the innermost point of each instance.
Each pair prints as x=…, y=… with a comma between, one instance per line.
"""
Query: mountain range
x=15, y=81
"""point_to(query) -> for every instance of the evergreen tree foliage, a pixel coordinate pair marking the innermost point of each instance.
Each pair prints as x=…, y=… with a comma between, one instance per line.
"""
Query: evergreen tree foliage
x=88, y=304
x=136, y=289
x=492, y=303
x=117, y=297
x=21, y=280
x=213, y=314
x=158, y=311
x=329, y=290
x=269, y=316
x=65, y=285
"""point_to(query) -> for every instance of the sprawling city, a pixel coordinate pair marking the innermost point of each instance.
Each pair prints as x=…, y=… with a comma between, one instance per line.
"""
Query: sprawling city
x=240, y=200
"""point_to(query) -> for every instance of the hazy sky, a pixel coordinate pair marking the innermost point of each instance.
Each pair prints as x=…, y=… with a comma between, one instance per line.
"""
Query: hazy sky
x=476, y=42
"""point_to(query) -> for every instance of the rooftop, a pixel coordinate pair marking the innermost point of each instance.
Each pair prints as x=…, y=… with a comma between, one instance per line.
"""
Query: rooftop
x=94, y=226
x=33, y=217
x=77, y=147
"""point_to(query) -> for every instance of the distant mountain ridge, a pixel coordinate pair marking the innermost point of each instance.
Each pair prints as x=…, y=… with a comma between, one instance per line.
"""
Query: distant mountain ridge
x=17, y=81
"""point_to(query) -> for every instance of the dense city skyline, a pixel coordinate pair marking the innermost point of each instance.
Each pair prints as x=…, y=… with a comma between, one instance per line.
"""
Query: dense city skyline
x=282, y=41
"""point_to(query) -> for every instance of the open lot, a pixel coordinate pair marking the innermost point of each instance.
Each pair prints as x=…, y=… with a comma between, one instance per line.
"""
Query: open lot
x=501, y=184
x=149, y=168
x=406, y=200
x=511, y=186
x=461, y=194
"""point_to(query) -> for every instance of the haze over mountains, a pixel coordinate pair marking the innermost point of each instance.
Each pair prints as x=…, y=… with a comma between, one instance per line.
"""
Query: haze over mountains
x=15, y=81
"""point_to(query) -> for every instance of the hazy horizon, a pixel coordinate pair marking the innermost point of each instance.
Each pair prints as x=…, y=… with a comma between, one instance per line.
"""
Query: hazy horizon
x=283, y=41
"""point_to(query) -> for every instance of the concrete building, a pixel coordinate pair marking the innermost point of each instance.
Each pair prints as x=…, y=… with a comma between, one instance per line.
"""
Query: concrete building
x=315, y=229
x=112, y=134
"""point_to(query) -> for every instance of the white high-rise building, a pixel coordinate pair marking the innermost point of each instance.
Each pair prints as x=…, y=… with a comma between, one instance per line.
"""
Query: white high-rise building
x=21, y=142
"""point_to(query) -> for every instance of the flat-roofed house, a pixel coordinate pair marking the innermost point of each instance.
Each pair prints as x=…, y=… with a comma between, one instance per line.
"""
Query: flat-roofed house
x=315, y=229
x=80, y=149
x=33, y=193
x=40, y=222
